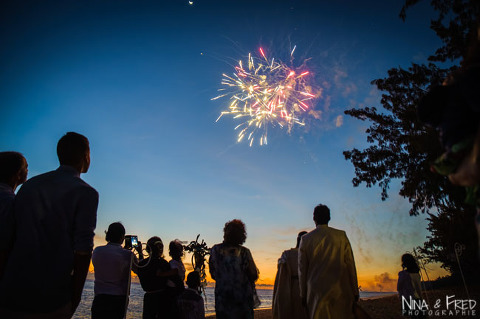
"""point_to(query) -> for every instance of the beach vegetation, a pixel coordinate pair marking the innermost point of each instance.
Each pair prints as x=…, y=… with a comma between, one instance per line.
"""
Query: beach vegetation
x=401, y=148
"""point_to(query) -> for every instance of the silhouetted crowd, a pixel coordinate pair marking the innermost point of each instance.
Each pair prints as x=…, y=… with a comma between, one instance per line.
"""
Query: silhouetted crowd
x=46, y=243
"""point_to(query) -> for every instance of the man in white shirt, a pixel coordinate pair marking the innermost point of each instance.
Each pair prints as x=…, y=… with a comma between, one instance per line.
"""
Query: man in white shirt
x=326, y=270
x=112, y=265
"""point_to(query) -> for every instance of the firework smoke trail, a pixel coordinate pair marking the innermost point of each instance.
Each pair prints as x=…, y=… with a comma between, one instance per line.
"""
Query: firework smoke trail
x=266, y=93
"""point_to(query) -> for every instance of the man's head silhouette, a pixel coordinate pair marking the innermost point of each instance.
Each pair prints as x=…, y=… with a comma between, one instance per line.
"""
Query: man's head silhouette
x=73, y=149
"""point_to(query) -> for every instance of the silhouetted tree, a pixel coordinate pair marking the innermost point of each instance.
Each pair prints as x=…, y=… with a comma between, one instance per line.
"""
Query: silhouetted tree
x=455, y=25
x=402, y=148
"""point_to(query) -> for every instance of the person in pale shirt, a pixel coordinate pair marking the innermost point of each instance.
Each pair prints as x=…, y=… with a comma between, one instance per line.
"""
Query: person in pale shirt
x=326, y=271
x=286, y=302
x=13, y=172
x=112, y=265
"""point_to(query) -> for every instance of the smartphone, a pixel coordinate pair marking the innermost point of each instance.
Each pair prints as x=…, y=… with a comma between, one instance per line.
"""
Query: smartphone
x=131, y=241
x=134, y=241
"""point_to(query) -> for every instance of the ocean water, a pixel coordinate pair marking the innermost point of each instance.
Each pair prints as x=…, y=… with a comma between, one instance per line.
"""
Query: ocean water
x=136, y=300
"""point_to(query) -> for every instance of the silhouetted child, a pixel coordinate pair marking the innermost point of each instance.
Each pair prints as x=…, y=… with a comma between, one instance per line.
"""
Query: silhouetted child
x=176, y=252
x=190, y=302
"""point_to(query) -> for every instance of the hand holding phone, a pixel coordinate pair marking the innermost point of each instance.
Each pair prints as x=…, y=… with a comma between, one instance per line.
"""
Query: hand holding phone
x=131, y=241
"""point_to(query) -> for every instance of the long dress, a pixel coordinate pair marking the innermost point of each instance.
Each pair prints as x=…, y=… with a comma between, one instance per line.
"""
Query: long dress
x=287, y=303
x=234, y=272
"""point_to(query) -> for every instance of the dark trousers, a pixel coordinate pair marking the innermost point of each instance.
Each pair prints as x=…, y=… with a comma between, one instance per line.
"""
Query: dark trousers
x=235, y=315
x=158, y=305
x=109, y=307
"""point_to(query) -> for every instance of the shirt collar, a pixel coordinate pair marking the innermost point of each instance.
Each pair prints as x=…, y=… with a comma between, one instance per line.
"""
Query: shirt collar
x=68, y=169
x=114, y=244
x=322, y=226
x=6, y=188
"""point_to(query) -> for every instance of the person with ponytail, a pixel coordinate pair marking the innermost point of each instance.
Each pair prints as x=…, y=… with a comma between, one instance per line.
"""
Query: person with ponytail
x=154, y=272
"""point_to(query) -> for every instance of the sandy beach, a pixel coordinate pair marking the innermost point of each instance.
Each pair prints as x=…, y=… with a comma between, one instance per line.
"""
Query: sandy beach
x=259, y=314
x=389, y=307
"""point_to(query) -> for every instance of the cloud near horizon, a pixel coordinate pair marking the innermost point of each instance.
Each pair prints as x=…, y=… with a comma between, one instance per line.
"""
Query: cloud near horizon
x=382, y=282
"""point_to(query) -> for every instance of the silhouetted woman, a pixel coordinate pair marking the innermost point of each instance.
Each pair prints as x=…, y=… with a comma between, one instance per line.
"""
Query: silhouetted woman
x=154, y=272
x=286, y=301
x=234, y=271
x=409, y=281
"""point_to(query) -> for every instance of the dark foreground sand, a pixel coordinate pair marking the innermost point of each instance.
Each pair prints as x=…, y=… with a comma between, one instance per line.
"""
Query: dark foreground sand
x=390, y=307
x=259, y=314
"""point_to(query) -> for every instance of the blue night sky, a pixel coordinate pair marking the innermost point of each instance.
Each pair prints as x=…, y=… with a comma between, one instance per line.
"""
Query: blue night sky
x=137, y=78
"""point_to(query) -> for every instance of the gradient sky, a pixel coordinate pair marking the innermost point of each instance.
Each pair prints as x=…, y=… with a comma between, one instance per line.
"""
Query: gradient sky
x=137, y=78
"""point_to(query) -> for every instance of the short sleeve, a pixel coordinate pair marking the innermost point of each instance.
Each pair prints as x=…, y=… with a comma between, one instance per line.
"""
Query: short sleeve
x=251, y=268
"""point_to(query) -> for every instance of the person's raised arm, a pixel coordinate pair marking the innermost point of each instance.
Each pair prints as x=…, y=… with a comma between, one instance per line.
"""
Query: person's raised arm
x=135, y=260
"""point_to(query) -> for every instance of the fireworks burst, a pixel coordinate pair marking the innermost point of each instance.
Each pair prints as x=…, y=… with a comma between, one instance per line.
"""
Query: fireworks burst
x=267, y=93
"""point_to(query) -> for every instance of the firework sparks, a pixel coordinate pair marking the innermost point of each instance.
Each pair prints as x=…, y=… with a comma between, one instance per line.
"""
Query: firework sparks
x=264, y=93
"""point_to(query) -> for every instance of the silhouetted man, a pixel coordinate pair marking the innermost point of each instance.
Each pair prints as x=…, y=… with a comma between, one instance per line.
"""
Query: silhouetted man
x=55, y=215
x=326, y=270
x=13, y=172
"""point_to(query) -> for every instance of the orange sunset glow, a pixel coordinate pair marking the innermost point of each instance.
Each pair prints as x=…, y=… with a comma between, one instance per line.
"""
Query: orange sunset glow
x=376, y=277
